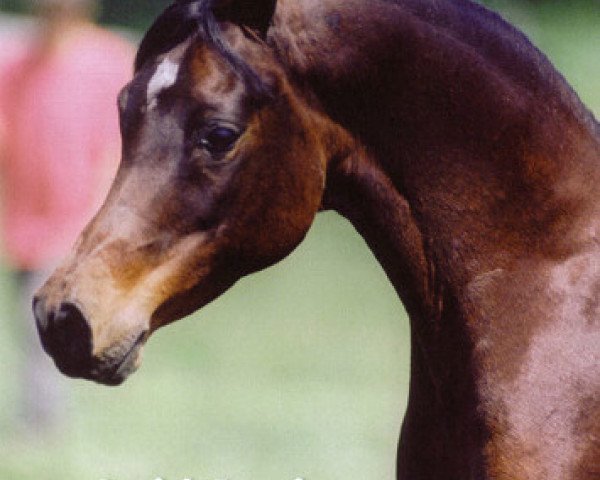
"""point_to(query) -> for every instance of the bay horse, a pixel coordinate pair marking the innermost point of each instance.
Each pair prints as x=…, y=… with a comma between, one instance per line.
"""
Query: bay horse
x=451, y=144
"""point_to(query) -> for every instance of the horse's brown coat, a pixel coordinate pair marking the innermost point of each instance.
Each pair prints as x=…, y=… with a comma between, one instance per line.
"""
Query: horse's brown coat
x=452, y=145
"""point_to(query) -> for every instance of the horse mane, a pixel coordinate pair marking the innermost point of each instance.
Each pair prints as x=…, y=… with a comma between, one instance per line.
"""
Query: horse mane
x=186, y=19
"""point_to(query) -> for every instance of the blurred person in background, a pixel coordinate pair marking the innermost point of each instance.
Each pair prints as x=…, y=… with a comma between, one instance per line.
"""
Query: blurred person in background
x=59, y=149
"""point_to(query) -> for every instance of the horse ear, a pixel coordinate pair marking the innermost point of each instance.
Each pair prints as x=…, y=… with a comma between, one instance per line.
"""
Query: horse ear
x=254, y=14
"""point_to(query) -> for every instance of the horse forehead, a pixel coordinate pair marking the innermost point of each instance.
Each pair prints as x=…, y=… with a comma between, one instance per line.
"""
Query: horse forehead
x=166, y=72
x=211, y=75
x=163, y=78
x=200, y=68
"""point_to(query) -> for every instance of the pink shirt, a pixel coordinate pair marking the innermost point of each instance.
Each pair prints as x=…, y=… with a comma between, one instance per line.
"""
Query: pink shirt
x=58, y=130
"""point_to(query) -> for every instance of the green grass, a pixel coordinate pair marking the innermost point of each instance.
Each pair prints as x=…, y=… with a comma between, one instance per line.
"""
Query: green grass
x=298, y=371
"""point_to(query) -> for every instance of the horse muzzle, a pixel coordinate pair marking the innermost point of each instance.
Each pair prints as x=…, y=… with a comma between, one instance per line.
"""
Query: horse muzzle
x=67, y=337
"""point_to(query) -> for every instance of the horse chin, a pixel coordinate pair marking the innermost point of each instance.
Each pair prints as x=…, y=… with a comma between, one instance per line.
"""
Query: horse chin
x=128, y=366
x=116, y=365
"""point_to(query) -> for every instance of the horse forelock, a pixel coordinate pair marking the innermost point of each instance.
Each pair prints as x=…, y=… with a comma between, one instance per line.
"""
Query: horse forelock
x=176, y=24
x=195, y=20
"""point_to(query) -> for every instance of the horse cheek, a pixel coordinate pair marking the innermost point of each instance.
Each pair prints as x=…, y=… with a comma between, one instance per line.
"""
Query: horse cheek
x=280, y=209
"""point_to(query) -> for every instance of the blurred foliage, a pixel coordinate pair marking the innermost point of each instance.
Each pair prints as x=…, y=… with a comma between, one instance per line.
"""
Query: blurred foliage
x=138, y=14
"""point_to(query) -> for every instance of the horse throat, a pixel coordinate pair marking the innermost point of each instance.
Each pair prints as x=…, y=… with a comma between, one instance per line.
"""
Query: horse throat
x=443, y=390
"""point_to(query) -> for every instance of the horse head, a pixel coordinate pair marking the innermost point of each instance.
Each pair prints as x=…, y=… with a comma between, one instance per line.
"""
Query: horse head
x=222, y=173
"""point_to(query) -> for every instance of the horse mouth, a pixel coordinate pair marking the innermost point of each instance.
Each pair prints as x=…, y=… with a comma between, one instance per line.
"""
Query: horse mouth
x=115, y=364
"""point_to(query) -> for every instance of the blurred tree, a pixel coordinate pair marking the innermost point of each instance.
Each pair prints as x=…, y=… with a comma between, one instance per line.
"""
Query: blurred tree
x=13, y=6
x=137, y=14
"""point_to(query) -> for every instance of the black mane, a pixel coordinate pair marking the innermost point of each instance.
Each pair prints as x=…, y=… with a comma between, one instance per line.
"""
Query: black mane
x=186, y=19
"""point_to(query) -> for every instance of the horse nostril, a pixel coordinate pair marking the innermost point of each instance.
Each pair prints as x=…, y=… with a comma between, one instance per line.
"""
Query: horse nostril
x=66, y=336
x=40, y=314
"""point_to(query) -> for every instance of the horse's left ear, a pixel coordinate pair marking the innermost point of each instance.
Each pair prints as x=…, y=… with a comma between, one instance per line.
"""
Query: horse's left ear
x=254, y=14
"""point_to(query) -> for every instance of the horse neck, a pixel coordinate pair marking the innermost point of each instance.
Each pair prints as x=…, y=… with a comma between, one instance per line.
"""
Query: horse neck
x=459, y=111
x=466, y=126
x=472, y=178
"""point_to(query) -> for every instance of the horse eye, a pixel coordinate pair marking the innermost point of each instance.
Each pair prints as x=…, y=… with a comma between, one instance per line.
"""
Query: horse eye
x=219, y=140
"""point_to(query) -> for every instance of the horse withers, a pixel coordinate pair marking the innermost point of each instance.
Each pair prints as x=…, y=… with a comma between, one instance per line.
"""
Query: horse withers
x=462, y=157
